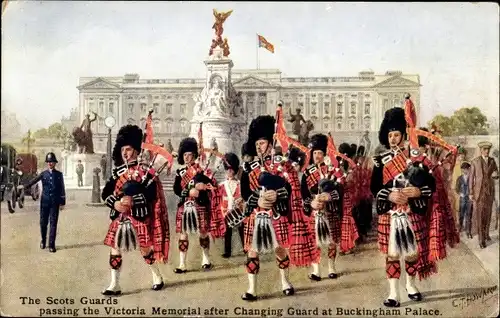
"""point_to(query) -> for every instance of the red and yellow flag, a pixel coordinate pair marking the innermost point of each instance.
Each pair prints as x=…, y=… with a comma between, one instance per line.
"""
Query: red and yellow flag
x=265, y=43
x=149, y=129
x=331, y=151
x=411, y=121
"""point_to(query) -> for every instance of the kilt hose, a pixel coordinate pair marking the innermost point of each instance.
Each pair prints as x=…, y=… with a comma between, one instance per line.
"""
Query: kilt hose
x=281, y=228
x=349, y=231
x=425, y=267
x=143, y=230
x=203, y=219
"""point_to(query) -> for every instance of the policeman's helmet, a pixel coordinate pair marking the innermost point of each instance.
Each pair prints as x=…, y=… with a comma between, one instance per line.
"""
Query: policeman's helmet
x=51, y=157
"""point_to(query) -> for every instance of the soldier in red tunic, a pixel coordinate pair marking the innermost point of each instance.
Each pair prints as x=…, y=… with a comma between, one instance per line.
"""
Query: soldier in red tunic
x=230, y=192
x=198, y=209
x=323, y=204
x=138, y=210
x=268, y=198
x=402, y=191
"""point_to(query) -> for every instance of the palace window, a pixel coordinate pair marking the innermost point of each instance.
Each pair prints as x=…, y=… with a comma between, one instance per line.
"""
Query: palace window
x=143, y=107
x=339, y=126
x=130, y=97
x=183, y=108
x=340, y=106
x=353, y=108
x=313, y=108
x=183, y=126
x=326, y=126
x=101, y=107
x=156, y=107
x=169, y=97
x=386, y=104
x=156, y=125
x=352, y=126
x=130, y=108
x=168, y=126
x=168, y=109
x=157, y=97
x=91, y=107
x=367, y=108
x=111, y=108
x=327, y=108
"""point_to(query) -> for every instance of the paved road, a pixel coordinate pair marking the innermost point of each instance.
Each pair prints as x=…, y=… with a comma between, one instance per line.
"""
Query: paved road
x=80, y=269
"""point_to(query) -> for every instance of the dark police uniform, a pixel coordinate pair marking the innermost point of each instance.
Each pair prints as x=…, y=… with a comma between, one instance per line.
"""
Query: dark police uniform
x=53, y=196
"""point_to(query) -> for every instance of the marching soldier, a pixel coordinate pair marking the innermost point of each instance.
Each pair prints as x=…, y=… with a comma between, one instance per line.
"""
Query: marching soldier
x=268, y=199
x=322, y=202
x=198, y=210
x=403, y=200
x=138, y=211
x=53, y=200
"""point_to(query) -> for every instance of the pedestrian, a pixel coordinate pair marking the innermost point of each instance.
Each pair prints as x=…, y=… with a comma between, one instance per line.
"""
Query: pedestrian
x=53, y=200
x=481, y=191
x=79, y=173
x=462, y=190
x=104, y=166
x=138, y=211
x=231, y=194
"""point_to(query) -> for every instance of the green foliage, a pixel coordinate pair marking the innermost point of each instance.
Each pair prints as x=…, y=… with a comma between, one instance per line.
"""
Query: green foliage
x=55, y=131
x=465, y=121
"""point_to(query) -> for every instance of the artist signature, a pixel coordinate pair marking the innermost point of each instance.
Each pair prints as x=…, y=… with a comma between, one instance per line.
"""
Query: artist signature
x=470, y=298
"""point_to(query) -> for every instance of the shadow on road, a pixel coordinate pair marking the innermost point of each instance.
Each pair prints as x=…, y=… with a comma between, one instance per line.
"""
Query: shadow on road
x=82, y=245
x=478, y=292
x=169, y=285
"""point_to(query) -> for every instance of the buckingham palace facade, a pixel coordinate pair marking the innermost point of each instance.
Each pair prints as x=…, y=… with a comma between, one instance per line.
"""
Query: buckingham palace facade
x=345, y=106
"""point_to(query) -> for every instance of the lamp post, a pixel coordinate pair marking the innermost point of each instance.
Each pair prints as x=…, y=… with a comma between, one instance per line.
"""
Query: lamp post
x=110, y=123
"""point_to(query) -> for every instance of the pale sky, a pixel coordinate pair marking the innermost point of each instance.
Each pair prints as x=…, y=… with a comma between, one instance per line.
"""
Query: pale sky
x=47, y=46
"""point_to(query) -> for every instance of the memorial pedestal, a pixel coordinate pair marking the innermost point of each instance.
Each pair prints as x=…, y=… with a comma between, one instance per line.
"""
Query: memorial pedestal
x=89, y=162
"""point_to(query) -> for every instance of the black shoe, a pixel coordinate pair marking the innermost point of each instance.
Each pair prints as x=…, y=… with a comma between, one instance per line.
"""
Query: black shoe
x=333, y=275
x=314, y=277
x=225, y=255
x=488, y=238
x=158, y=286
x=52, y=249
x=469, y=235
x=42, y=245
x=482, y=245
x=289, y=291
x=248, y=297
x=207, y=267
x=111, y=293
x=391, y=303
x=415, y=297
x=180, y=271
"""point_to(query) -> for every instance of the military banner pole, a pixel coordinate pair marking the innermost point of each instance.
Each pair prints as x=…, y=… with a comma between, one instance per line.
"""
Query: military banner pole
x=258, y=44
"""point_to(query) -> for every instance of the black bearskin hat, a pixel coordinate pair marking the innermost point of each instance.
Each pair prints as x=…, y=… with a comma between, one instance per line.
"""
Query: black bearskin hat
x=361, y=151
x=244, y=150
x=129, y=135
x=297, y=156
x=344, y=148
x=261, y=127
x=422, y=140
x=394, y=120
x=319, y=142
x=271, y=181
x=231, y=161
x=354, y=150
x=188, y=144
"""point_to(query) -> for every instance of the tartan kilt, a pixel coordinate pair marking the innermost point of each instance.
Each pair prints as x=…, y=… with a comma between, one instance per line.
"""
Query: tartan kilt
x=143, y=230
x=334, y=223
x=203, y=219
x=349, y=231
x=281, y=229
x=425, y=266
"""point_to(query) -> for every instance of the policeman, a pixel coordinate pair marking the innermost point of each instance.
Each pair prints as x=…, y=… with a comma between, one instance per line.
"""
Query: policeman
x=52, y=200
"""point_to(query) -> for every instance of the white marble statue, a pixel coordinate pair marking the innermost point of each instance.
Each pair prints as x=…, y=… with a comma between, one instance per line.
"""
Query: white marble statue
x=217, y=99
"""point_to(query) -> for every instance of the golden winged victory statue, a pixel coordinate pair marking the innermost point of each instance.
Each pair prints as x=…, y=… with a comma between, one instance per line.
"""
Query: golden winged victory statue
x=220, y=18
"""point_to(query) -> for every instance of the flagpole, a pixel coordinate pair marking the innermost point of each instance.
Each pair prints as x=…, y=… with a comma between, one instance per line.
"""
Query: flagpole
x=257, y=51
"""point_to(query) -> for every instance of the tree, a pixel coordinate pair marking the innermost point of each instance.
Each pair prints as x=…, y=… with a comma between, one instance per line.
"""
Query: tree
x=469, y=121
x=465, y=121
x=443, y=123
